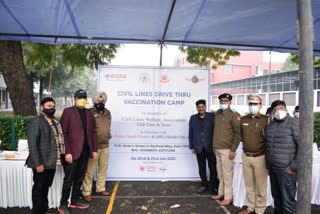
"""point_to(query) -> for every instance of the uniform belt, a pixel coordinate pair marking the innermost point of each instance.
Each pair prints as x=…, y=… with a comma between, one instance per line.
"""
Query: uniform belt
x=251, y=154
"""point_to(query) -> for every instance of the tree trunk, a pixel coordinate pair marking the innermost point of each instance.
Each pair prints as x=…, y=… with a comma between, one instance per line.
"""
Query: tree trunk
x=16, y=78
x=41, y=88
x=65, y=101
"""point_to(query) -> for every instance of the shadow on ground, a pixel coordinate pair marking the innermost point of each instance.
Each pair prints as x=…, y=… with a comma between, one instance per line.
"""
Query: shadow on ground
x=153, y=198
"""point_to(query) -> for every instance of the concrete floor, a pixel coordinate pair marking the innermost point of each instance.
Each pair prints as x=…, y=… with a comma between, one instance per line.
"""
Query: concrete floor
x=153, y=198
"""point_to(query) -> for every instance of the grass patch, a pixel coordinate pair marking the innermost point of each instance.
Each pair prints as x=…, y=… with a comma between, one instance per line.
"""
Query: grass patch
x=191, y=205
x=150, y=201
x=164, y=192
x=125, y=203
x=127, y=185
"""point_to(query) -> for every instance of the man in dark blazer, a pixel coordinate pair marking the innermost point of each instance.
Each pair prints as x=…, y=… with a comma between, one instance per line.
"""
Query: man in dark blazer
x=79, y=129
x=201, y=127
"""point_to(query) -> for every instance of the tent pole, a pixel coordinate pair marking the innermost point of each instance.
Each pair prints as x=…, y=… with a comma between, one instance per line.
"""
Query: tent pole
x=166, y=29
x=305, y=40
x=161, y=47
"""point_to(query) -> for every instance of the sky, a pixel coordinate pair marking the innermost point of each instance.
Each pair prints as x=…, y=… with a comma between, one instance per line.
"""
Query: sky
x=149, y=55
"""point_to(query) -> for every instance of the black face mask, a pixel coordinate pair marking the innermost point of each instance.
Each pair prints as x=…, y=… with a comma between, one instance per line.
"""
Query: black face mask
x=99, y=106
x=49, y=111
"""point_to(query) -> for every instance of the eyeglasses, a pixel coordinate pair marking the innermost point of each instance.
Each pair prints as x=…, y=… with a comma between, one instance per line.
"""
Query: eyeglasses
x=279, y=108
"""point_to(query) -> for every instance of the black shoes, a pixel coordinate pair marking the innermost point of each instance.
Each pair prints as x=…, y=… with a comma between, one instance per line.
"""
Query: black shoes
x=79, y=205
x=202, y=189
x=63, y=209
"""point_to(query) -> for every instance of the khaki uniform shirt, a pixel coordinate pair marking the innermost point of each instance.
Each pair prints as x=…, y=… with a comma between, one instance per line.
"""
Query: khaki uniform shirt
x=252, y=132
x=226, y=130
x=103, y=123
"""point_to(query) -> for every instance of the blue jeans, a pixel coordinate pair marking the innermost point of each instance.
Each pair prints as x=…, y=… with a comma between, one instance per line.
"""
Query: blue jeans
x=283, y=188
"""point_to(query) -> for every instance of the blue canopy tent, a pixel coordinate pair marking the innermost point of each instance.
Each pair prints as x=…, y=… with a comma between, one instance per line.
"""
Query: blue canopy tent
x=242, y=25
x=237, y=24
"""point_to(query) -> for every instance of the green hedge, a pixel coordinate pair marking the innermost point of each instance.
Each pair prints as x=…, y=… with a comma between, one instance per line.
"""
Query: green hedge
x=20, y=124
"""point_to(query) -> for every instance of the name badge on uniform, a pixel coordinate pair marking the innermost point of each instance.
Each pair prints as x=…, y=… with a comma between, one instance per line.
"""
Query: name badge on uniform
x=245, y=124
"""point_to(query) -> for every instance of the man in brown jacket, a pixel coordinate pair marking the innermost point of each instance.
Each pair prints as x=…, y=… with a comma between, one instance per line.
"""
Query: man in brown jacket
x=226, y=139
x=103, y=122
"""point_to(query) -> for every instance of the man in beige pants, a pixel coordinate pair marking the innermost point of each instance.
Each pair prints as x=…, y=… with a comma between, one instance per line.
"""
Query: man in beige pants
x=225, y=142
x=253, y=159
x=103, y=122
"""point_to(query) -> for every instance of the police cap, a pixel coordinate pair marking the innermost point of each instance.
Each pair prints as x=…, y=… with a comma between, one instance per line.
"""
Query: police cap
x=225, y=95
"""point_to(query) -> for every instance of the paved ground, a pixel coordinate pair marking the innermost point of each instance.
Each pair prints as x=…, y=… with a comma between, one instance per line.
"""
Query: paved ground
x=153, y=198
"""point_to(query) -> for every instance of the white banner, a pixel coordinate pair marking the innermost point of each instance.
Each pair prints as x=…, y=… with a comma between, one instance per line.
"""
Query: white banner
x=151, y=108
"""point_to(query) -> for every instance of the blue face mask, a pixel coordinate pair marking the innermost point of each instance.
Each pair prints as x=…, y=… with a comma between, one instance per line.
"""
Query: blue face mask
x=253, y=109
x=223, y=106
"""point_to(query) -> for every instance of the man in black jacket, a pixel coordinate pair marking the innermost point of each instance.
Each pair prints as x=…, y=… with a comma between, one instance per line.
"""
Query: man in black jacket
x=46, y=143
x=281, y=147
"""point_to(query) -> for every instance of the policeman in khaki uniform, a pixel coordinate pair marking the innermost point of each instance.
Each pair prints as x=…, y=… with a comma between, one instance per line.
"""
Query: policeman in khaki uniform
x=253, y=159
x=225, y=143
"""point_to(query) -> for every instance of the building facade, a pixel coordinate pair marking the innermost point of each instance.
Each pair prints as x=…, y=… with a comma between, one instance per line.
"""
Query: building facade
x=248, y=64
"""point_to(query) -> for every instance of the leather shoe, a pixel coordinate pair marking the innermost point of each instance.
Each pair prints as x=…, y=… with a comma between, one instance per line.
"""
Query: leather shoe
x=87, y=198
x=202, y=189
x=247, y=212
x=214, y=191
x=103, y=193
x=226, y=202
x=217, y=197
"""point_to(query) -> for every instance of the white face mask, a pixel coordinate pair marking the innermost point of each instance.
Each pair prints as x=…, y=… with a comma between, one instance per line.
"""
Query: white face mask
x=296, y=114
x=279, y=115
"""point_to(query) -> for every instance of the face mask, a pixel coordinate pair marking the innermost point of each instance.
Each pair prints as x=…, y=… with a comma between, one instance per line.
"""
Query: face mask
x=296, y=114
x=81, y=103
x=49, y=111
x=99, y=106
x=253, y=109
x=223, y=106
x=279, y=115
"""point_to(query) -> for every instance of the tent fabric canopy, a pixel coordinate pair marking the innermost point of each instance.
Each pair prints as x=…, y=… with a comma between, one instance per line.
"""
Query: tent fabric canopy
x=243, y=24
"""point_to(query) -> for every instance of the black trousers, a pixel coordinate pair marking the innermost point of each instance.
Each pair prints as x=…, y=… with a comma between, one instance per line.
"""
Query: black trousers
x=73, y=176
x=283, y=189
x=41, y=183
x=202, y=164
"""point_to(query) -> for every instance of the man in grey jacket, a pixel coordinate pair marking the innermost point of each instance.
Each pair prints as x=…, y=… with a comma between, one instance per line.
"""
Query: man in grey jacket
x=46, y=144
x=281, y=147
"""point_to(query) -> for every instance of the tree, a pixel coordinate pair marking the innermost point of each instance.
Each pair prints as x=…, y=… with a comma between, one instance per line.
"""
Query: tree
x=17, y=80
x=203, y=56
x=73, y=57
x=292, y=62
x=288, y=65
x=295, y=59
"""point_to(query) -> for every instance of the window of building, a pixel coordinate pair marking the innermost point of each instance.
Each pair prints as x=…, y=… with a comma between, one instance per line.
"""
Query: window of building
x=273, y=97
x=290, y=99
x=257, y=69
x=318, y=98
x=229, y=69
x=263, y=97
x=214, y=100
x=3, y=95
x=265, y=71
x=240, y=100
